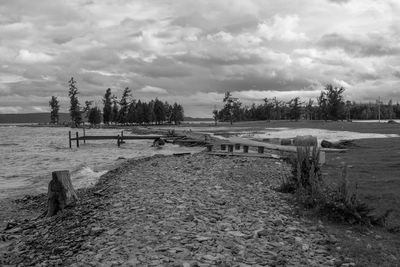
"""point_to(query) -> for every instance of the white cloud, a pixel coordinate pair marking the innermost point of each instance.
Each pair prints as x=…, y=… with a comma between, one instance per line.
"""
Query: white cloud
x=14, y=109
x=11, y=78
x=25, y=56
x=153, y=89
x=282, y=28
x=253, y=48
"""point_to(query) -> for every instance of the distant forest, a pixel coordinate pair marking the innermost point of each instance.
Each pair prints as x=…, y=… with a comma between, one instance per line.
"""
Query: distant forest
x=330, y=105
x=123, y=111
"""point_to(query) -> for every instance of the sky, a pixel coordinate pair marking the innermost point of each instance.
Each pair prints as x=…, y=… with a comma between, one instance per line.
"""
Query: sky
x=192, y=52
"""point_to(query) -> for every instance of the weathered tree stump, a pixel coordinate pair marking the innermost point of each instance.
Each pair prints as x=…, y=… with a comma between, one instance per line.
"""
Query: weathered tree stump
x=60, y=193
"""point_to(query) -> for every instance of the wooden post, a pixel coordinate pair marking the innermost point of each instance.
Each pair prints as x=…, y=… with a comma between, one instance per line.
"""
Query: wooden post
x=69, y=139
x=223, y=146
x=84, y=135
x=237, y=146
x=77, y=139
x=245, y=149
x=322, y=159
x=60, y=192
x=118, y=141
x=122, y=137
x=230, y=148
x=260, y=149
x=209, y=148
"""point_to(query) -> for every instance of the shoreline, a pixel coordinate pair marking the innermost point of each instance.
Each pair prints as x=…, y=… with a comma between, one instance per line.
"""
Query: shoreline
x=179, y=211
x=66, y=240
x=83, y=229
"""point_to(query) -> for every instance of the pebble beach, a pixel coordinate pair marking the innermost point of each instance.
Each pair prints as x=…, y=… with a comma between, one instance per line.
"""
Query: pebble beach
x=193, y=210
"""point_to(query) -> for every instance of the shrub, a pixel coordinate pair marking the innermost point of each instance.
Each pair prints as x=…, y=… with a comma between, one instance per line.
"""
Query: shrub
x=339, y=201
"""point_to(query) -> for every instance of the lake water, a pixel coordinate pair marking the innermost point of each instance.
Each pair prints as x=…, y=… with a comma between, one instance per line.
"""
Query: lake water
x=28, y=155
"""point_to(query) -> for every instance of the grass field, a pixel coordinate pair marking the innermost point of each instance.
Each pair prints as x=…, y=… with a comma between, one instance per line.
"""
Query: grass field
x=373, y=164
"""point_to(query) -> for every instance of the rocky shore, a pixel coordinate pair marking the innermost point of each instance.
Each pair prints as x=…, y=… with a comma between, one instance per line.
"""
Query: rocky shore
x=196, y=210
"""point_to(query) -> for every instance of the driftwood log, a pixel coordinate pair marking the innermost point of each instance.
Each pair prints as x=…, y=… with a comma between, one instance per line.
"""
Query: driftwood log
x=60, y=192
x=342, y=144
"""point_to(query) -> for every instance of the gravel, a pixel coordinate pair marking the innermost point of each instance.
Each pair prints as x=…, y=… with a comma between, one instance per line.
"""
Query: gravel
x=197, y=210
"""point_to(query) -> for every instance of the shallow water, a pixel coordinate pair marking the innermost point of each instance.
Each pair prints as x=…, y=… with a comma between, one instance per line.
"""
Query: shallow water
x=28, y=155
x=321, y=134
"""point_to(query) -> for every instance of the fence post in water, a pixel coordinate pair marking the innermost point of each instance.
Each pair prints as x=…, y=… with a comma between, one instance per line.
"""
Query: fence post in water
x=84, y=135
x=69, y=139
x=77, y=139
x=245, y=149
x=209, y=148
x=223, y=146
x=230, y=148
x=122, y=137
x=118, y=141
x=260, y=149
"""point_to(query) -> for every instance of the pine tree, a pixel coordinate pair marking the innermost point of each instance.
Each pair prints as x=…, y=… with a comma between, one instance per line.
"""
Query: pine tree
x=107, y=109
x=168, y=111
x=177, y=113
x=74, y=109
x=295, y=109
x=124, y=105
x=215, y=116
x=115, y=110
x=322, y=106
x=94, y=116
x=335, y=103
x=55, y=107
x=231, y=103
x=159, y=111
x=139, y=112
x=151, y=117
x=131, y=117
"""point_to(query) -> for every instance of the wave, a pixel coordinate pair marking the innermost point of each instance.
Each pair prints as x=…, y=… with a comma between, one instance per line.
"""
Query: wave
x=85, y=176
x=9, y=144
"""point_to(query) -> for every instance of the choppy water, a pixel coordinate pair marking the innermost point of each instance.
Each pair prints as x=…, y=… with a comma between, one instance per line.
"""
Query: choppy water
x=28, y=155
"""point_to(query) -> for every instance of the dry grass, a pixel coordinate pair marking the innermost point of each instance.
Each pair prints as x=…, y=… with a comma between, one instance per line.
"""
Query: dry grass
x=339, y=201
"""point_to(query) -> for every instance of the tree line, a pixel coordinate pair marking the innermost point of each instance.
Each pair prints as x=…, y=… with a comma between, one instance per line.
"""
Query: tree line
x=123, y=111
x=329, y=105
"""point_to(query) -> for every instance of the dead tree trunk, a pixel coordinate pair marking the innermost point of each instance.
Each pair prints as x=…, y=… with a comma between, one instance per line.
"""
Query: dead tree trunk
x=60, y=193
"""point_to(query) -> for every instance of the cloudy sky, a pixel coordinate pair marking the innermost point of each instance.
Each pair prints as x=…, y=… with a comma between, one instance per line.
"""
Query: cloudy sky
x=193, y=51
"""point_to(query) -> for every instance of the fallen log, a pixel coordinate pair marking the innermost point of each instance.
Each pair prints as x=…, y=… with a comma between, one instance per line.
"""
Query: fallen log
x=60, y=192
x=342, y=144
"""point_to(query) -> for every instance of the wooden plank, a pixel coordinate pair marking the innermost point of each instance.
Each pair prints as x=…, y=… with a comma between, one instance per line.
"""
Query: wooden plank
x=243, y=141
x=69, y=138
x=181, y=154
x=125, y=137
x=250, y=155
x=77, y=139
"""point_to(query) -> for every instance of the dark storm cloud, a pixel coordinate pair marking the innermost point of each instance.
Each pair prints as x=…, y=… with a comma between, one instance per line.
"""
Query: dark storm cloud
x=193, y=52
x=253, y=82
